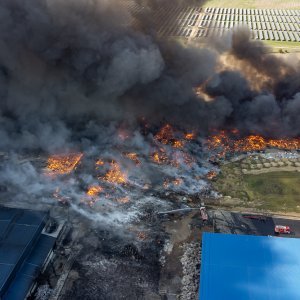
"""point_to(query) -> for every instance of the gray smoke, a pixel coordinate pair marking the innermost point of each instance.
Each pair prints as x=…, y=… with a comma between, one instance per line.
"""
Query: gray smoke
x=84, y=75
x=65, y=64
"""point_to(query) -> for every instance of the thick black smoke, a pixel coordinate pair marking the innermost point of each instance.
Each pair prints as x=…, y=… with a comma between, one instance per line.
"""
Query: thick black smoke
x=69, y=66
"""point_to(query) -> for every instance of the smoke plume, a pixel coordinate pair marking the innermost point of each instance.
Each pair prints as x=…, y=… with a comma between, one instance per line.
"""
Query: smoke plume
x=65, y=63
x=74, y=74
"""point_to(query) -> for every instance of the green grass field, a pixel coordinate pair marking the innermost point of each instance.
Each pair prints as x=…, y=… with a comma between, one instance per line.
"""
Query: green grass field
x=274, y=191
x=274, y=4
x=276, y=46
x=277, y=191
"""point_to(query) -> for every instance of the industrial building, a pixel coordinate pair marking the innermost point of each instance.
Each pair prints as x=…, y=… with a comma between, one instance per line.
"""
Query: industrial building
x=249, y=267
x=25, y=248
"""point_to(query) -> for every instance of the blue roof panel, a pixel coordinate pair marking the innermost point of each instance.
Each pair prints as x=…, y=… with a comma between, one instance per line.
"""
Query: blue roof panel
x=20, y=231
x=30, y=269
x=4, y=273
x=3, y=228
x=19, y=288
x=21, y=235
x=245, y=267
x=41, y=249
x=31, y=218
x=7, y=214
x=9, y=254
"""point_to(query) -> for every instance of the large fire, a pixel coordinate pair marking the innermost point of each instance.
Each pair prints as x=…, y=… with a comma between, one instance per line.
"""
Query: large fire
x=173, y=153
x=166, y=136
x=63, y=164
x=225, y=142
x=115, y=174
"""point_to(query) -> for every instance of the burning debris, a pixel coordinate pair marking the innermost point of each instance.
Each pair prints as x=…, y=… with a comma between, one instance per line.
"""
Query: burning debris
x=99, y=80
x=115, y=175
x=211, y=175
x=109, y=178
x=134, y=157
x=63, y=164
x=94, y=190
x=231, y=142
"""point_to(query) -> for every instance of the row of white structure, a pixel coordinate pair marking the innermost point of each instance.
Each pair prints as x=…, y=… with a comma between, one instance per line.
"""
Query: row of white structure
x=256, y=34
x=251, y=18
x=253, y=25
x=245, y=11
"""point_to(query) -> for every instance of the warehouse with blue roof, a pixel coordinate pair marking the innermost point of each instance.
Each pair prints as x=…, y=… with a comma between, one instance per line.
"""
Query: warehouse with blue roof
x=246, y=267
x=24, y=248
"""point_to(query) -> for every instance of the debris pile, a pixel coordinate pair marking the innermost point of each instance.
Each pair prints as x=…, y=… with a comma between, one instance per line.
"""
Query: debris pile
x=190, y=270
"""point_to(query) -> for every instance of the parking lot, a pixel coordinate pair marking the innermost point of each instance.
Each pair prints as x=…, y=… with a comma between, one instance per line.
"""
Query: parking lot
x=252, y=224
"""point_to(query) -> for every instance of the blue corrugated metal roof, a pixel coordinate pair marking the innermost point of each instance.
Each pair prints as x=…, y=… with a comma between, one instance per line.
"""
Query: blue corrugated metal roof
x=30, y=269
x=23, y=250
x=242, y=267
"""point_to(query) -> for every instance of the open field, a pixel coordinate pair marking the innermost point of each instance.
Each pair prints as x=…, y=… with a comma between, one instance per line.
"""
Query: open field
x=278, y=190
x=275, y=4
x=283, y=45
x=274, y=190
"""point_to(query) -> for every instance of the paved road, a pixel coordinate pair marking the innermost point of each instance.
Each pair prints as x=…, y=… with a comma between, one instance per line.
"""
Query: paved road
x=237, y=223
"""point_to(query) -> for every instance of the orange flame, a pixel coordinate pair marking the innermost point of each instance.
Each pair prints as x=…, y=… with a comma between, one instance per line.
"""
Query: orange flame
x=63, y=164
x=175, y=182
x=211, y=175
x=160, y=157
x=225, y=143
x=99, y=162
x=115, y=175
x=166, y=136
x=189, y=136
x=178, y=144
x=94, y=190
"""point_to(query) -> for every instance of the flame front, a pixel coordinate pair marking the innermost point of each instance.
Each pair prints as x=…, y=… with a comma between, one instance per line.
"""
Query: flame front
x=63, y=164
x=225, y=142
x=120, y=174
